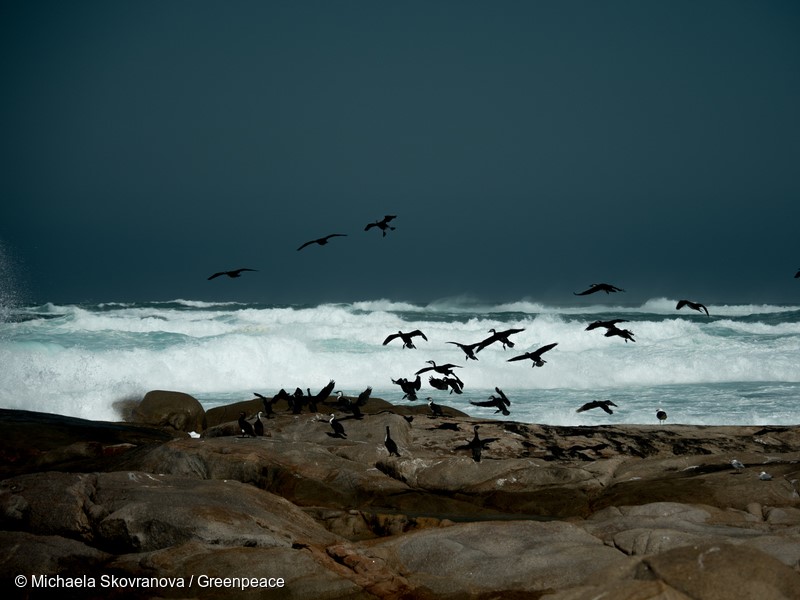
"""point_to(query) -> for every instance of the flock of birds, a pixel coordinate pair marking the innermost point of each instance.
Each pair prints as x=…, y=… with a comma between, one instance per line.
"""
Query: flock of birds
x=442, y=377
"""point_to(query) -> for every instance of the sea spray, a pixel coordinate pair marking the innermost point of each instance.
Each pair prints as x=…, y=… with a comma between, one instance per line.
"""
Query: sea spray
x=738, y=366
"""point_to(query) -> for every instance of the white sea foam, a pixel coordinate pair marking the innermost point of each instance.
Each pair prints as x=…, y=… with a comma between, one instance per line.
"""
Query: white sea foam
x=78, y=360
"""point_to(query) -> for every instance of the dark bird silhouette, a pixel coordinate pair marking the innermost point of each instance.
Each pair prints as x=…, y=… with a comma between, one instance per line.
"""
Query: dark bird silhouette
x=606, y=324
x=661, y=415
x=383, y=224
x=268, y=402
x=338, y=428
x=535, y=356
x=323, y=240
x=406, y=337
x=435, y=408
x=500, y=402
x=245, y=426
x=498, y=336
x=797, y=275
x=454, y=384
x=446, y=369
x=234, y=273
x=354, y=405
x=469, y=349
x=258, y=426
x=604, y=404
x=297, y=401
x=390, y=444
x=321, y=396
x=476, y=445
x=410, y=388
x=693, y=305
x=599, y=287
x=625, y=334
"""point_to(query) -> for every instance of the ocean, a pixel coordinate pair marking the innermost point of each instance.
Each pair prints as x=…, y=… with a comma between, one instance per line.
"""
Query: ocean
x=738, y=366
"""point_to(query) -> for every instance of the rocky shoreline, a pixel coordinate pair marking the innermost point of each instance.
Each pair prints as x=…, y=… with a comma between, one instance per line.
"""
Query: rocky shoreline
x=141, y=509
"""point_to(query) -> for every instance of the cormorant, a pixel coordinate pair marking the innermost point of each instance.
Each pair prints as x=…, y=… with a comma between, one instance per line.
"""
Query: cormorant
x=625, y=334
x=323, y=240
x=338, y=429
x=390, y=444
x=606, y=324
x=268, y=402
x=476, y=445
x=498, y=336
x=469, y=349
x=321, y=396
x=535, y=356
x=383, y=224
x=501, y=402
x=435, y=408
x=443, y=369
x=599, y=287
x=661, y=415
x=604, y=404
x=406, y=337
x=410, y=388
x=454, y=384
x=245, y=426
x=234, y=273
x=258, y=426
x=693, y=305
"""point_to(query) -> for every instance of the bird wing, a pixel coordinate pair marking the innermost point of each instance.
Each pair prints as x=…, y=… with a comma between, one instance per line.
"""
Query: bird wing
x=521, y=357
x=681, y=304
x=308, y=244
x=364, y=396
x=388, y=218
x=389, y=338
x=483, y=403
x=216, y=275
x=417, y=332
x=327, y=237
x=544, y=349
x=326, y=391
x=503, y=397
x=704, y=308
x=417, y=383
x=592, y=289
x=370, y=226
x=587, y=406
x=423, y=370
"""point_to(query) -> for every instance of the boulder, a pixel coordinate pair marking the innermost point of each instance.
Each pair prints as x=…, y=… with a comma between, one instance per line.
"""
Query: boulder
x=176, y=410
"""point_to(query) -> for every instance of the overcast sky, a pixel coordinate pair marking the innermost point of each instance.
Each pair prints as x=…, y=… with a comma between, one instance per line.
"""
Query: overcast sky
x=527, y=148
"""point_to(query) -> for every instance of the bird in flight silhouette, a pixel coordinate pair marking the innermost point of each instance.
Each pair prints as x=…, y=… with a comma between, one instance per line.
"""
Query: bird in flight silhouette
x=234, y=273
x=323, y=240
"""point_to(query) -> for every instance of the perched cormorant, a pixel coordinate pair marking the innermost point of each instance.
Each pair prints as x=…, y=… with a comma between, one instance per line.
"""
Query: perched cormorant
x=469, y=349
x=501, y=403
x=406, y=337
x=338, y=429
x=435, y=408
x=535, y=356
x=604, y=404
x=258, y=426
x=390, y=444
x=693, y=305
x=599, y=287
x=661, y=415
x=383, y=224
x=498, y=336
x=234, y=273
x=454, y=384
x=245, y=426
x=323, y=240
x=410, y=388
x=476, y=445
x=606, y=324
x=268, y=402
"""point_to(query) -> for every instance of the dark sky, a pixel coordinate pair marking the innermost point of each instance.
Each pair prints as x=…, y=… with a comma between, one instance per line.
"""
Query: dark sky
x=528, y=148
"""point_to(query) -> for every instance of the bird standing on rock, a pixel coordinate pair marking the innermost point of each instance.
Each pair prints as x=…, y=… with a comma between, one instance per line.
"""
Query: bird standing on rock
x=338, y=428
x=661, y=415
x=245, y=426
x=390, y=444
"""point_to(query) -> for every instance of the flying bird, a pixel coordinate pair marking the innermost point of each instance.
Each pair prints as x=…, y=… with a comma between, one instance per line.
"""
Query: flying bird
x=498, y=336
x=234, y=273
x=410, y=388
x=693, y=305
x=383, y=224
x=406, y=337
x=599, y=287
x=535, y=356
x=606, y=324
x=625, y=334
x=501, y=402
x=390, y=444
x=454, y=384
x=446, y=369
x=323, y=240
x=604, y=404
x=797, y=275
x=469, y=349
